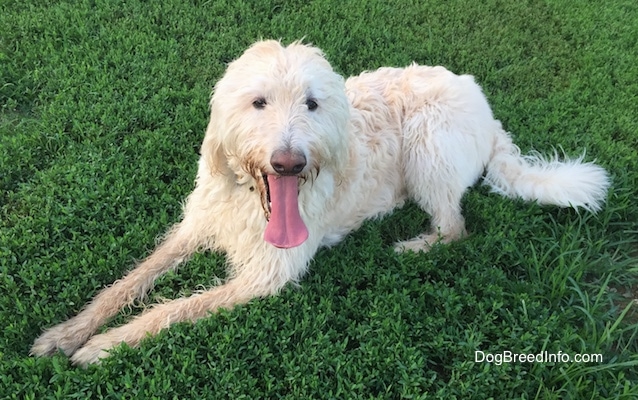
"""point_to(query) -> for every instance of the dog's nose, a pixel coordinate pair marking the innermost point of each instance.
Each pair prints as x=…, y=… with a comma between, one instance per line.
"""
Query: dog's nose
x=287, y=162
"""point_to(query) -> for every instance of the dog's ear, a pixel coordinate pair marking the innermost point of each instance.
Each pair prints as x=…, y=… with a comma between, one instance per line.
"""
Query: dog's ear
x=212, y=151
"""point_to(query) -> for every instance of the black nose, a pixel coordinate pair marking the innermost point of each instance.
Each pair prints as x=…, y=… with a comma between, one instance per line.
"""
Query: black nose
x=287, y=162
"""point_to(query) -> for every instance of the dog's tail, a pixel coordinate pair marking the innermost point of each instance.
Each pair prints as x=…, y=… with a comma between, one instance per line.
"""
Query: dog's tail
x=546, y=180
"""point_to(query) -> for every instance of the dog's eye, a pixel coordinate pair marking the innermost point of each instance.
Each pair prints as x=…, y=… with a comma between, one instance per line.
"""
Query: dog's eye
x=260, y=103
x=312, y=104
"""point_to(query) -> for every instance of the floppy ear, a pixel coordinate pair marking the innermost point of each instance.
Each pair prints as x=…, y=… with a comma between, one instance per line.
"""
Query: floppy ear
x=212, y=150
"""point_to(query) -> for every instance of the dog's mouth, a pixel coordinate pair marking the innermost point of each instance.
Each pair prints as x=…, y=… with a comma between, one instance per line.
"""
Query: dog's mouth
x=280, y=200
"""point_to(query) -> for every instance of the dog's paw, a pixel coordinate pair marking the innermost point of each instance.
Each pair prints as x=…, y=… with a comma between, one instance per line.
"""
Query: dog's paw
x=422, y=243
x=94, y=350
x=65, y=337
x=405, y=246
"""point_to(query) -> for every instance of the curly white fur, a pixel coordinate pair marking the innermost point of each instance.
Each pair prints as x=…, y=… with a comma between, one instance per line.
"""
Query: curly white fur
x=367, y=144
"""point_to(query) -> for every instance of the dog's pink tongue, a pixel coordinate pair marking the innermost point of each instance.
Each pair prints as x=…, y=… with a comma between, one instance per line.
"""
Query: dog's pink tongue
x=285, y=228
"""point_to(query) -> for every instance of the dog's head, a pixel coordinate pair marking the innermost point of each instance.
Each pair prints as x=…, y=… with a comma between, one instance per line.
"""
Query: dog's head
x=279, y=116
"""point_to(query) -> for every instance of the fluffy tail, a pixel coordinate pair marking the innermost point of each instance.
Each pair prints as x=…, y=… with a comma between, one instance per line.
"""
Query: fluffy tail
x=546, y=180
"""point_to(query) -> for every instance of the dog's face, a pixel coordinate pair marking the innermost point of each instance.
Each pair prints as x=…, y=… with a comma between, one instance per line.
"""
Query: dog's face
x=279, y=116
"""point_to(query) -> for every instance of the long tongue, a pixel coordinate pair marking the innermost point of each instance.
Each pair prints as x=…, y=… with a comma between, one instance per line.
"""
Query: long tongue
x=285, y=229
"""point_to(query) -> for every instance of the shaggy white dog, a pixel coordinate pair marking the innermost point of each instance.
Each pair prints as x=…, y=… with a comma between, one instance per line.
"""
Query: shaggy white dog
x=294, y=158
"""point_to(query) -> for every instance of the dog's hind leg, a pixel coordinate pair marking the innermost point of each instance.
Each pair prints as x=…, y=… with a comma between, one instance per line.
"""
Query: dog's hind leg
x=447, y=222
x=440, y=162
x=236, y=291
x=72, y=334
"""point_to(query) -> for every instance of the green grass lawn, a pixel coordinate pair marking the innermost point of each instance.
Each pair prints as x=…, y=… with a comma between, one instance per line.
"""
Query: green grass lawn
x=103, y=108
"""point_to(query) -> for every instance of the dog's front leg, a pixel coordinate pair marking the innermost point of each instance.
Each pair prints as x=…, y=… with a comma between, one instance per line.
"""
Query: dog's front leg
x=72, y=334
x=236, y=291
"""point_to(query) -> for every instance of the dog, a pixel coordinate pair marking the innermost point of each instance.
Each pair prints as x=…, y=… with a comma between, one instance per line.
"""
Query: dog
x=295, y=157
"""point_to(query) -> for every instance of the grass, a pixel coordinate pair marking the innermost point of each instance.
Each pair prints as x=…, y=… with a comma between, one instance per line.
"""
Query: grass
x=103, y=108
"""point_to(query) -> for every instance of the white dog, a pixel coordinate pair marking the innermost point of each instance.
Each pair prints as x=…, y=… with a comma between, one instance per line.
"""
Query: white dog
x=294, y=158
